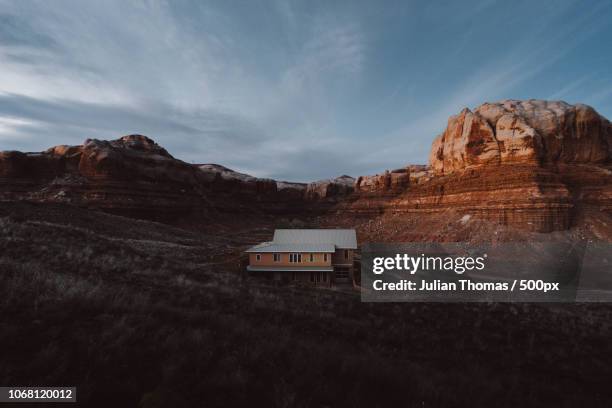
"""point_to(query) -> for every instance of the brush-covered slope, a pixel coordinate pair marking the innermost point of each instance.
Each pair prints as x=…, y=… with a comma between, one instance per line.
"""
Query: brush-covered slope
x=163, y=318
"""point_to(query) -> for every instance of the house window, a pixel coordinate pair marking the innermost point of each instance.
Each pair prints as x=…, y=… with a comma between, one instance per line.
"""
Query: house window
x=277, y=257
x=295, y=258
x=311, y=257
x=325, y=257
x=346, y=254
x=258, y=257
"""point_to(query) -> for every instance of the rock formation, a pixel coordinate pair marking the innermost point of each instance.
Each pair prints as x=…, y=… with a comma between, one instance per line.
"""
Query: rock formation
x=527, y=132
x=134, y=176
x=131, y=176
x=527, y=164
x=221, y=178
x=533, y=165
x=326, y=189
x=394, y=181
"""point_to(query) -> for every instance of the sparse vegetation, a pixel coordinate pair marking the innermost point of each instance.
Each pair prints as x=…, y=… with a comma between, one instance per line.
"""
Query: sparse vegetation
x=137, y=313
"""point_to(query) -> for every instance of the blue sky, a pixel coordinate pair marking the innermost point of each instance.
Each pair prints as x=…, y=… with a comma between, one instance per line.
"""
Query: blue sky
x=291, y=90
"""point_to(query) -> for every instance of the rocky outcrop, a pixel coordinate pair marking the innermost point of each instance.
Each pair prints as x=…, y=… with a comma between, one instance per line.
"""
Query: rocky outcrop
x=394, y=181
x=330, y=189
x=220, y=178
x=229, y=179
x=419, y=174
x=533, y=165
x=520, y=196
x=527, y=164
x=291, y=191
x=540, y=133
x=134, y=176
x=468, y=141
x=389, y=181
x=131, y=176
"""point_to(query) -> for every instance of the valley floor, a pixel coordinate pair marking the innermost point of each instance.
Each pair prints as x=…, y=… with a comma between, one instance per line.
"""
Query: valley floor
x=137, y=313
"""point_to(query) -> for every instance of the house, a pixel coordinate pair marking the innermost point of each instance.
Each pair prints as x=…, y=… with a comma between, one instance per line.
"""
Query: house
x=319, y=256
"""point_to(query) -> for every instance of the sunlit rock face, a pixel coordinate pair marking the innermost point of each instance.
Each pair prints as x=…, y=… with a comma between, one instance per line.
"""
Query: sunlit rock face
x=330, y=188
x=531, y=165
x=393, y=181
x=534, y=132
x=468, y=141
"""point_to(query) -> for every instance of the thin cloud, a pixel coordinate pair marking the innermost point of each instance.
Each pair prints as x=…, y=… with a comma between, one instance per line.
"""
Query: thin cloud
x=298, y=90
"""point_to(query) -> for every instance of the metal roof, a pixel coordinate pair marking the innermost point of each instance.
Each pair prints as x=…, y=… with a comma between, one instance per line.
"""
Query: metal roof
x=289, y=268
x=341, y=238
x=274, y=247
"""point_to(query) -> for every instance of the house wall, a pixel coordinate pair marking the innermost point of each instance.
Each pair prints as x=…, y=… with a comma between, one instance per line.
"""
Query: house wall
x=302, y=278
x=338, y=257
x=267, y=259
x=343, y=267
x=312, y=278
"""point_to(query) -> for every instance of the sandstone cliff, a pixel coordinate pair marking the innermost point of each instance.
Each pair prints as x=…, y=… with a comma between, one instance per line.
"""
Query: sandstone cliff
x=134, y=176
x=532, y=165
x=326, y=189
x=393, y=181
x=131, y=176
x=528, y=132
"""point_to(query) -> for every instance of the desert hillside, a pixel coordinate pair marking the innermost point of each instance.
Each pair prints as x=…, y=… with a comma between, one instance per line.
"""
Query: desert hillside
x=117, y=254
x=163, y=317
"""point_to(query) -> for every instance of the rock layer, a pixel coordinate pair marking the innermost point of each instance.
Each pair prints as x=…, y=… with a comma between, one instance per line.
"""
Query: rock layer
x=394, y=181
x=527, y=164
x=515, y=196
x=329, y=189
x=533, y=165
x=134, y=176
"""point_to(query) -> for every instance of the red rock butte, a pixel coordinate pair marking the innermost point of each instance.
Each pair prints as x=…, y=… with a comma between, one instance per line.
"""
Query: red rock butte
x=533, y=165
x=527, y=164
x=522, y=132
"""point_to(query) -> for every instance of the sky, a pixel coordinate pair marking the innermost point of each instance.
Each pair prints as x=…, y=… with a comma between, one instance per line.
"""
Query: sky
x=294, y=90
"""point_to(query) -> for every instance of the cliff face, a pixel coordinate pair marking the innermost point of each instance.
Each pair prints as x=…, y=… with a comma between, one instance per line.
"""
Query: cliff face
x=394, y=181
x=330, y=189
x=134, y=176
x=518, y=197
x=533, y=165
x=527, y=132
x=131, y=176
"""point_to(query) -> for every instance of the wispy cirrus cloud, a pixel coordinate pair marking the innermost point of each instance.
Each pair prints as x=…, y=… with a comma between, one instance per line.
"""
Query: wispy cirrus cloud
x=285, y=89
x=106, y=70
x=509, y=70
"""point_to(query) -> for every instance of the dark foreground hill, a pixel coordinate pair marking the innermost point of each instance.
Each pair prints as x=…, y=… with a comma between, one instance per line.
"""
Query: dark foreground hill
x=136, y=313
